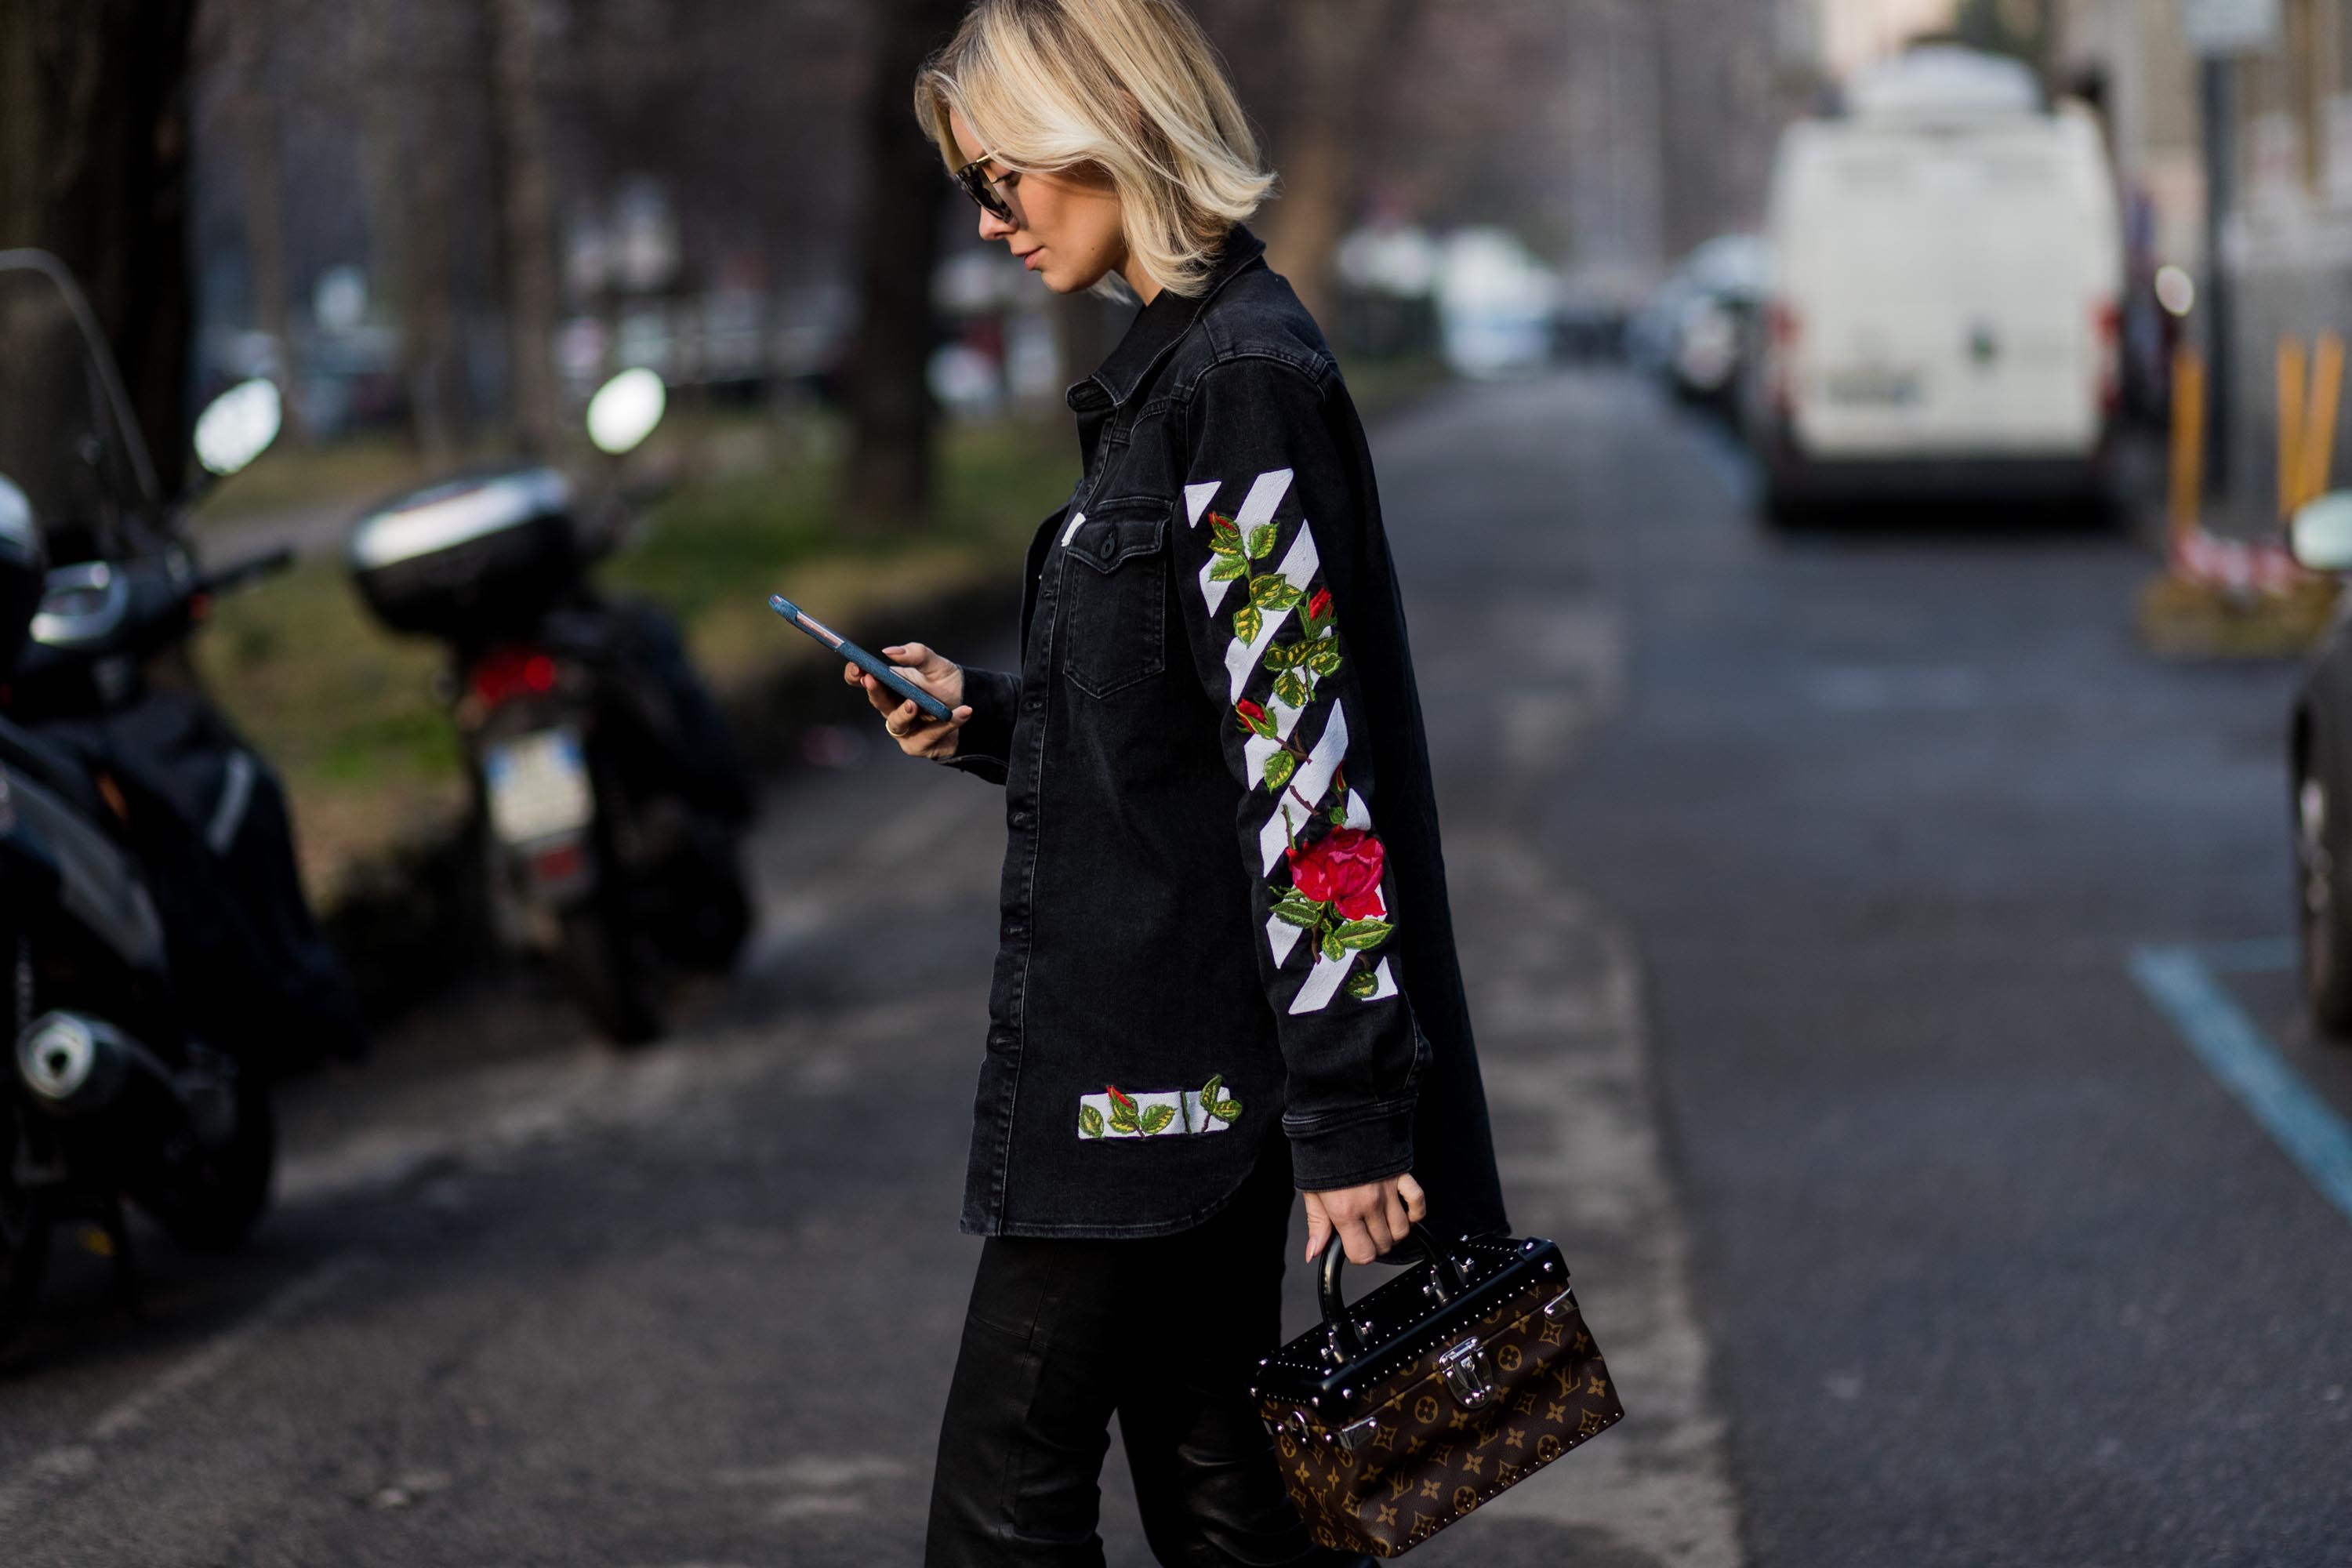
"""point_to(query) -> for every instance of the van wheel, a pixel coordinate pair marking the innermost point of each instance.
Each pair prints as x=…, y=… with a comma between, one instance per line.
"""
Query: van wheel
x=1784, y=512
x=2322, y=903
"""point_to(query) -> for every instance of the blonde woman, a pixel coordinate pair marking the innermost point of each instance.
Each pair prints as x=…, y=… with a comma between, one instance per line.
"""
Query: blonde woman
x=1226, y=969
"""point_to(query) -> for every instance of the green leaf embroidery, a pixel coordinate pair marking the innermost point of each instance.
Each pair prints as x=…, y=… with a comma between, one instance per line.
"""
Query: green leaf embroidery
x=1123, y=1101
x=1247, y=622
x=1339, y=815
x=1263, y=726
x=1361, y=934
x=1225, y=568
x=1271, y=591
x=1157, y=1119
x=1290, y=688
x=1282, y=655
x=1294, y=909
x=1331, y=948
x=1322, y=656
x=1261, y=541
x=1279, y=765
x=1122, y=1119
x=1226, y=1110
x=1224, y=537
x=1209, y=1090
x=1090, y=1121
x=1362, y=984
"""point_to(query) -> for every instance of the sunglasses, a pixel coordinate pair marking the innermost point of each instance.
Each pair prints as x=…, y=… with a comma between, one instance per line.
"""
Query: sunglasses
x=987, y=193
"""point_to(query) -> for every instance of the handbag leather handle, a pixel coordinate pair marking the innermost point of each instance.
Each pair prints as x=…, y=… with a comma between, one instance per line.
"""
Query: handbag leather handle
x=1335, y=1306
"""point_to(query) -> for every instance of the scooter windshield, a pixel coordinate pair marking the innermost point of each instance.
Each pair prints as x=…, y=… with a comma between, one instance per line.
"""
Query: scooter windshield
x=66, y=437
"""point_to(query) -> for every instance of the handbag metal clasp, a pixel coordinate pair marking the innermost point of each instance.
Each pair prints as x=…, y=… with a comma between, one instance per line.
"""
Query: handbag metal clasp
x=1469, y=1373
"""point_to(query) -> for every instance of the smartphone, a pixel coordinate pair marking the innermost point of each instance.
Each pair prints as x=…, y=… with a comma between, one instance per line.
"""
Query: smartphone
x=881, y=669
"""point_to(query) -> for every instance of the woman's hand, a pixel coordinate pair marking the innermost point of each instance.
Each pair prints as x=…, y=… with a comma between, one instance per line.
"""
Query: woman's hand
x=941, y=677
x=1368, y=1219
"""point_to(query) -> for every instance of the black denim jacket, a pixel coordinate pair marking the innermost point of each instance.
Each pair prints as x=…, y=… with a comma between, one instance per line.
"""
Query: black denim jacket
x=1224, y=900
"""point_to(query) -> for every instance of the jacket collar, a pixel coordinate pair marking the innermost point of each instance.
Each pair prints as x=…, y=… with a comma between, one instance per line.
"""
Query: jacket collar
x=1157, y=327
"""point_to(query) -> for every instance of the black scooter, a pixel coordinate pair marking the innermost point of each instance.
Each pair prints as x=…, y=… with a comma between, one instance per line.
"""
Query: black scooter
x=163, y=966
x=610, y=805
x=113, y=1088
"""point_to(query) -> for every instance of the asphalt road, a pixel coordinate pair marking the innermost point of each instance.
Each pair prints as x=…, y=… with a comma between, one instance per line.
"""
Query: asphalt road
x=1798, y=879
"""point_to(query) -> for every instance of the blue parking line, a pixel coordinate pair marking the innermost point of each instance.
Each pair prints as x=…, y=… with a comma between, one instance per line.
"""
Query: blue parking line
x=2180, y=980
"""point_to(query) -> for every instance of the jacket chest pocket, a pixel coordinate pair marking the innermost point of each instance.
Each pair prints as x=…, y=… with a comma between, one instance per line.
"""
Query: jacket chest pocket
x=1115, y=594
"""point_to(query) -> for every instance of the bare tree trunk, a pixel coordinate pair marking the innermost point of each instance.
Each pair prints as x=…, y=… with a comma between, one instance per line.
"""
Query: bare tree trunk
x=890, y=477
x=251, y=22
x=408, y=203
x=94, y=166
x=1329, y=45
x=526, y=227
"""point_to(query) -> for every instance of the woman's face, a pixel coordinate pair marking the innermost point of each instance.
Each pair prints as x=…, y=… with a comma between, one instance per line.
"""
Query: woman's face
x=1066, y=226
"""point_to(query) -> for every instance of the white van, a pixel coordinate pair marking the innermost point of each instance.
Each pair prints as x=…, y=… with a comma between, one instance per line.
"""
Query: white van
x=1947, y=268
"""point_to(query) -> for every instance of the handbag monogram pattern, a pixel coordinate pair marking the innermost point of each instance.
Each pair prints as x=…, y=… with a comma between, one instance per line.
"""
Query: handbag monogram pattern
x=1382, y=1449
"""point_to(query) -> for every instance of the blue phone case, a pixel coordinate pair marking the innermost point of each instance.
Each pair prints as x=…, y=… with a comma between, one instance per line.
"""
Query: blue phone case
x=880, y=669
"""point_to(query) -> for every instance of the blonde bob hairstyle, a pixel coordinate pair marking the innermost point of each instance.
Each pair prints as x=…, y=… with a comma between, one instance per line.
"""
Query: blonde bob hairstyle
x=1132, y=88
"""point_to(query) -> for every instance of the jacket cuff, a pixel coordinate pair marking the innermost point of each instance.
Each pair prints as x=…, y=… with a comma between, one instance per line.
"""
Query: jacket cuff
x=1365, y=1149
x=984, y=745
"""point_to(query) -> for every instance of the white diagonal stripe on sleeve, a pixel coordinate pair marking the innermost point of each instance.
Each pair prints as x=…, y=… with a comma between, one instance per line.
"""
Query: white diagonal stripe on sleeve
x=1076, y=519
x=1264, y=494
x=1313, y=777
x=1358, y=814
x=1197, y=498
x=1385, y=982
x=1321, y=984
x=1281, y=936
x=1299, y=564
x=1212, y=593
x=1257, y=748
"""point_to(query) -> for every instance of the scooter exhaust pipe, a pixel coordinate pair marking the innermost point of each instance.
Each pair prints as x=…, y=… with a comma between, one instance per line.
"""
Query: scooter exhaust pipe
x=76, y=1065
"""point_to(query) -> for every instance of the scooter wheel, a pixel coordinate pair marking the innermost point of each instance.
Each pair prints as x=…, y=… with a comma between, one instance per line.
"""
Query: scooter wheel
x=618, y=982
x=217, y=1196
x=24, y=1238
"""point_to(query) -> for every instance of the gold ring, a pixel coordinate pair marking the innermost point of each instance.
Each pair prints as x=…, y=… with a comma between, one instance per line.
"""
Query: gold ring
x=894, y=733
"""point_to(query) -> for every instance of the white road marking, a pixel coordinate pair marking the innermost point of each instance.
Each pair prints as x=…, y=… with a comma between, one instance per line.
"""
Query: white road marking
x=193, y=1372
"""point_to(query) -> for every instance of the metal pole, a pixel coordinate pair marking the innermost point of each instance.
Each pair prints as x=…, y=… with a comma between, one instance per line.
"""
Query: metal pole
x=2215, y=107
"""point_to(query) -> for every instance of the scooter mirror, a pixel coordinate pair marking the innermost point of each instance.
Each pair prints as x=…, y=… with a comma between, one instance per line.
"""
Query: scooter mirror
x=237, y=426
x=2320, y=536
x=625, y=410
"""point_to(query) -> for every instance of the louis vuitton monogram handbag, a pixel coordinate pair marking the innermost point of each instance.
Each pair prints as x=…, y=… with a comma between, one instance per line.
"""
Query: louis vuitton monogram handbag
x=1461, y=1377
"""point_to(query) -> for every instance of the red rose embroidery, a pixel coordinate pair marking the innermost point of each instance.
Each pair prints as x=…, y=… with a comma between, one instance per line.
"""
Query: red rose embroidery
x=1252, y=715
x=1342, y=869
x=1124, y=1103
x=1319, y=606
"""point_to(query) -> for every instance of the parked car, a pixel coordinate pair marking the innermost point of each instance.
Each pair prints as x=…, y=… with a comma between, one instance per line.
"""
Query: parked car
x=1697, y=331
x=1947, y=265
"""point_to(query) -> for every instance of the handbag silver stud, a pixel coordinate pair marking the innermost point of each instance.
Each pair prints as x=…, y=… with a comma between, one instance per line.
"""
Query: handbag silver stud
x=1558, y=1307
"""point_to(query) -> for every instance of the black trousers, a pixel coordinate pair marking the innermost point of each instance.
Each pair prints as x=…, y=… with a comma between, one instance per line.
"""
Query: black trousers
x=1165, y=1331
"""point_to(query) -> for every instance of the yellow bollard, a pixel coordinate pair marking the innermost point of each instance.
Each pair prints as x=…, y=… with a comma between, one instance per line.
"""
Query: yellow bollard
x=2290, y=422
x=2316, y=447
x=2188, y=439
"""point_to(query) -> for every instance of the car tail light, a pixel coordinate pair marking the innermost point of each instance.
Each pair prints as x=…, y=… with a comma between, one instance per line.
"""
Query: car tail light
x=2107, y=336
x=1786, y=329
x=506, y=673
